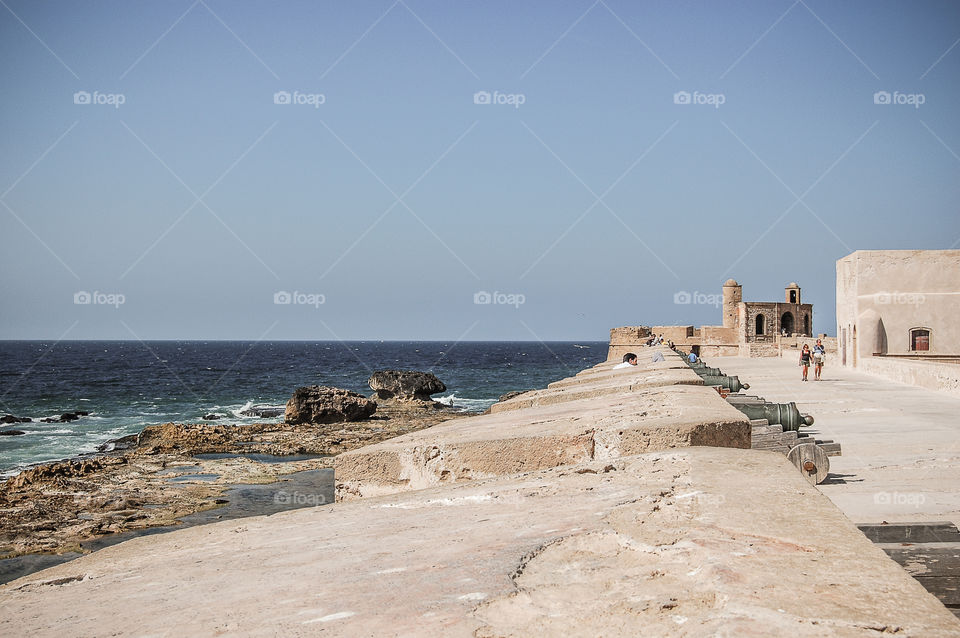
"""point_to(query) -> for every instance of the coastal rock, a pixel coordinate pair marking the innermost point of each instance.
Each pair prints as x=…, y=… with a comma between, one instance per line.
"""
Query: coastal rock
x=211, y=417
x=405, y=385
x=324, y=404
x=11, y=432
x=263, y=411
x=510, y=395
x=66, y=417
x=9, y=418
x=56, y=471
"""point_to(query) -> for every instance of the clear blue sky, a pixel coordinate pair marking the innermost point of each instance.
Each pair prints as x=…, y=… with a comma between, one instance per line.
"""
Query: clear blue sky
x=398, y=199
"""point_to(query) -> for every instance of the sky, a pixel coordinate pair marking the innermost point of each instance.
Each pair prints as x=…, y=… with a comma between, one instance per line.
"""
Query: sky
x=427, y=170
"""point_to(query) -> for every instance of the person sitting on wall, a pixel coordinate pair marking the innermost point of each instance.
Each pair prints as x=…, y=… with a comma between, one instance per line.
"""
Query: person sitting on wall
x=692, y=357
x=658, y=356
x=629, y=359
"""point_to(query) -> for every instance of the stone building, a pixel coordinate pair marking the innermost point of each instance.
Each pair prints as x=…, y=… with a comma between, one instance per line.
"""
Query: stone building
x=750, y=328
x=898, y=303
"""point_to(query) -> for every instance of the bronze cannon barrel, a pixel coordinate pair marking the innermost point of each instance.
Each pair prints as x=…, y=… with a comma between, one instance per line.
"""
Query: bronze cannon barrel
x=786, y=414
x=726, y=382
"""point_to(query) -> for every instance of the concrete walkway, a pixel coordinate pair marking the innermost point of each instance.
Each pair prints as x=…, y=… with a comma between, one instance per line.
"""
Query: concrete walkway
x=901, y=444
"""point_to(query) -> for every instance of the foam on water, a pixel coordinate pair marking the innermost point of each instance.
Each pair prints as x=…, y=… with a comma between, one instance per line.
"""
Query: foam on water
x=465, y=404
x=125, y=388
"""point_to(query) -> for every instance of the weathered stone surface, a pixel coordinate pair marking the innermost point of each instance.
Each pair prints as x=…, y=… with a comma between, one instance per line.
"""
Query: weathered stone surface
x=693, y=542
x=324, y=404
x=57, y=507
x=405, y=385
x=615, y=425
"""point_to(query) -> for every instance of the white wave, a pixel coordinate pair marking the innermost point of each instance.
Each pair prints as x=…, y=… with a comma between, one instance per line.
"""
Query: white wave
x=463, y=403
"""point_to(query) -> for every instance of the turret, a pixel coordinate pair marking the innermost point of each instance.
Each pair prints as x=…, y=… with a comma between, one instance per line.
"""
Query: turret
x=732, y=296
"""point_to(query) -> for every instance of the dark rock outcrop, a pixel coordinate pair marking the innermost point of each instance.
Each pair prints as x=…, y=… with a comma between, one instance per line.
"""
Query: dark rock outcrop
x=324, y=404
x=263, y=411
x=510, y=395
x=211, y=417
x=405, y=385
x=11, y=432
x=9, y=418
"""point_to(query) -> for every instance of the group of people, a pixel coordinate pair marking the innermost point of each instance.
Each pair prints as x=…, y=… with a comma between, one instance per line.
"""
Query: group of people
x=808, y=357
x=657, y=340
x=815, y=356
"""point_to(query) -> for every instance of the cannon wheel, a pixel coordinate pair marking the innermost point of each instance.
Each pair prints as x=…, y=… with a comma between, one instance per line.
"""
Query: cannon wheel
x=811, y=460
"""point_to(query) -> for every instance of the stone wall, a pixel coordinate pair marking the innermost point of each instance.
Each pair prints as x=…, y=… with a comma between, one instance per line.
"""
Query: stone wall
x=884, y=294
x=940, y=377
x=626, y=339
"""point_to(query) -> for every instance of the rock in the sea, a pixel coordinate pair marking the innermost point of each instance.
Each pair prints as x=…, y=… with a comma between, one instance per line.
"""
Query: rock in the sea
x=66, y=417
x=9, y=418
x=405, y=385
x=211, y=417
x=324, y=404
x=263, y=411
x=11, y=432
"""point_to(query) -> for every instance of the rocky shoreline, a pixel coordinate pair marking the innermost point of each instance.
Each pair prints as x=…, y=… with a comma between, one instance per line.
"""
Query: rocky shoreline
x=155, y=478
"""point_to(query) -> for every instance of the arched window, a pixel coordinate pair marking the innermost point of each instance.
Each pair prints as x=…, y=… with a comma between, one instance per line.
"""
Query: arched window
x=919, y=339
x=786, y=323
x=761, y=325
x=806, y=325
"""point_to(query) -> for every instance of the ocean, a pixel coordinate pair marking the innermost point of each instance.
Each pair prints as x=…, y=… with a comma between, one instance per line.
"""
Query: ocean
x=127, y=385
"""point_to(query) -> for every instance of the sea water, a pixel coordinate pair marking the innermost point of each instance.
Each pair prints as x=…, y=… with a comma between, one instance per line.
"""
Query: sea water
x=127, y=385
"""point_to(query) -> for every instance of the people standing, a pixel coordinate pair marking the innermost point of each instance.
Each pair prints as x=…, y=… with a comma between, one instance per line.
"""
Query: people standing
x=819, y=354
x=805, y=360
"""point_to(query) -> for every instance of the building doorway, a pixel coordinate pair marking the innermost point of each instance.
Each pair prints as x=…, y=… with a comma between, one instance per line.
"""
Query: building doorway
x=806, y=325
x=760, y=326
x=786, y=323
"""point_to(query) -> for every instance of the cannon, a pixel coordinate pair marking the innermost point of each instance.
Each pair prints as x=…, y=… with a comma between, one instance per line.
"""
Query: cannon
x=785, y=414
x=731, y=384
x=746, y=398
x=707, y=371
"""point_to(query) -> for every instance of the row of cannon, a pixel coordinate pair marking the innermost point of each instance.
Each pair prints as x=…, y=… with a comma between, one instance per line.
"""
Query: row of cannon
x=754, y=407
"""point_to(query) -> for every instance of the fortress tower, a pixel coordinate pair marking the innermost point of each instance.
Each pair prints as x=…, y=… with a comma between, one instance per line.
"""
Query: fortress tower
x=792, y=293
x=732, y=296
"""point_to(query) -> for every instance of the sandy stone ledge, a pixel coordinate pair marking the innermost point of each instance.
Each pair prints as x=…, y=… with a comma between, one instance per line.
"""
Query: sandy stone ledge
x=608, y=427
x=692, y=542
